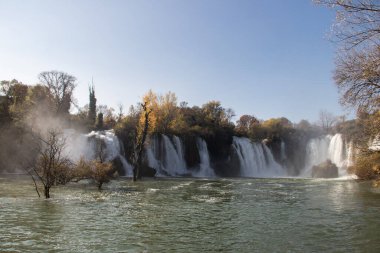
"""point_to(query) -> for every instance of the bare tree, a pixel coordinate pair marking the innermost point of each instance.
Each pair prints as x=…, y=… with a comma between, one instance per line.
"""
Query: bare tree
x=357, y=31
x=326, y=120
x=357, y=76
x=120, y=115
x=52, y=167
x=357, y=21
x=61, y=86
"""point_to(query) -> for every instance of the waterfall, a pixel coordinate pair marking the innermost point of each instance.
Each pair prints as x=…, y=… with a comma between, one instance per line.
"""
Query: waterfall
x=174, y=160
x=166, y=156
x=86, y=146
x=329, y=147
x=283, y=152
x=205, y=169
x=256, y=159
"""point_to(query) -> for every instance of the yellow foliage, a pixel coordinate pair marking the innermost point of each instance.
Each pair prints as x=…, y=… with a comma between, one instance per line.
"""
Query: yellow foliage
x=165, y=115
x=367, y=166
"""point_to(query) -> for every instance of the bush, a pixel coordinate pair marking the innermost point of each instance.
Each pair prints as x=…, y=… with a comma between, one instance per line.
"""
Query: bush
x=367, y=165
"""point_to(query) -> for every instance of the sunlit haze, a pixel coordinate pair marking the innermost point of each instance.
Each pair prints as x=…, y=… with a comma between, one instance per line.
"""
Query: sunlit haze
x=266, y=58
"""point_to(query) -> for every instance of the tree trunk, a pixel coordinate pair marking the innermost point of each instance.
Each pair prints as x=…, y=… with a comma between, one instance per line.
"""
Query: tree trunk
x=47, y=192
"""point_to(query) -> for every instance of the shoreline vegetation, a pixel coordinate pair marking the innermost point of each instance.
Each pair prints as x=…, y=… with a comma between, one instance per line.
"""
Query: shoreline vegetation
x=33, y=118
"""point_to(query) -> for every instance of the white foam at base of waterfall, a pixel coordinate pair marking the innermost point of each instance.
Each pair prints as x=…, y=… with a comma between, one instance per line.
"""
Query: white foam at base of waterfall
x=205, y=169
x=256, y=159
x=329, y=147
x=84, y=146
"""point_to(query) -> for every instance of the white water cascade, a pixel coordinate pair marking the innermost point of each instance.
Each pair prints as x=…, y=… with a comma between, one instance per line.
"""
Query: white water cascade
x=329, y=147
x=205, y=169
x=167, y=155
x=85, y=145
x=283, y=151
x=256, y=159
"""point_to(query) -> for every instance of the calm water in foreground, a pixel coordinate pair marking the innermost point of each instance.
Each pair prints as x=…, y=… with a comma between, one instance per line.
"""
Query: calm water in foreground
x=192, y=215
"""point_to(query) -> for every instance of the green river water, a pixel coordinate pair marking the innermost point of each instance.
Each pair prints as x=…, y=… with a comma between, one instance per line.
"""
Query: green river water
x=192, y=215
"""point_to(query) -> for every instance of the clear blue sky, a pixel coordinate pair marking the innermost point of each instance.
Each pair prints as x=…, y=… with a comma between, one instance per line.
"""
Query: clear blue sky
x=267, y=58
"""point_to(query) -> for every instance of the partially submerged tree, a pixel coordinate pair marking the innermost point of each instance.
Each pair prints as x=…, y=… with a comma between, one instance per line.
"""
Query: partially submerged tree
x=99, y=172
x=142, y=133
x=52, y=167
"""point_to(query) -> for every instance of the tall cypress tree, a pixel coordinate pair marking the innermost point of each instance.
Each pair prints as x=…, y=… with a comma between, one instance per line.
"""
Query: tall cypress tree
x=92, y=106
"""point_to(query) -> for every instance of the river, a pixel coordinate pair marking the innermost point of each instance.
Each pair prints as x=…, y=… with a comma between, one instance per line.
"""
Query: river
x=192, y=215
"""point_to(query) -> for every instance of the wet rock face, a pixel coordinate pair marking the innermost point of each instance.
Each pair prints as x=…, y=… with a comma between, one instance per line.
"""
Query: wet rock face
x=147, y=171
x=326, y=169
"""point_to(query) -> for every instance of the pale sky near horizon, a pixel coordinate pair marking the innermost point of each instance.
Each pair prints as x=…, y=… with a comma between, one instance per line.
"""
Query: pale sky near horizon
x=267, y=58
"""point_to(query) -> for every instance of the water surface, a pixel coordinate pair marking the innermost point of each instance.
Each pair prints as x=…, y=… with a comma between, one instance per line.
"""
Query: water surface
x=192, y=215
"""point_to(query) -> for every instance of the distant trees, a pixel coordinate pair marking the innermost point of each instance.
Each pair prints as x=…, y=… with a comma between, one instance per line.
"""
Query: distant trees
x=327, y=121
x=61, y=86
x=246, y=123
x=217, y=115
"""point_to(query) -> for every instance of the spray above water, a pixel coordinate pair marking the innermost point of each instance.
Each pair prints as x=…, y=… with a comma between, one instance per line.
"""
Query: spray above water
x=86, y=146
x=332, y=148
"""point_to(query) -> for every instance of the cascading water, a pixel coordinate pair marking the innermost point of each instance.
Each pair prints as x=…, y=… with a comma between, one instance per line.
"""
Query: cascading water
x=256, y=159
x=205, y=169
x=283, y=151
x=329, y=147
x=167, y=157
x=86, y=146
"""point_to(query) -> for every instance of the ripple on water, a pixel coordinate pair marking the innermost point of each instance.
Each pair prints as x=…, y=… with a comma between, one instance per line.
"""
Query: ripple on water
x=228, y=215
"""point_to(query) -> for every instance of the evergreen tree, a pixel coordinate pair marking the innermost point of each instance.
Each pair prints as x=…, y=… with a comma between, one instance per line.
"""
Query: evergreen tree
x=92, y=106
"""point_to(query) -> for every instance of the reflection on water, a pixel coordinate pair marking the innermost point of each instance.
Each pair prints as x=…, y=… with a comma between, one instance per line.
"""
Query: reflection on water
x=192, y=215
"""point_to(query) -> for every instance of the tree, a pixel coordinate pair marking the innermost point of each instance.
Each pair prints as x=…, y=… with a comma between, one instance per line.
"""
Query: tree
x=61, y=85
x=357, y=21
x=246, y=123
x=14, y=99
x=52, y=167
x=326, y=120
x=357, y=31
x=100, y=122
x=92, y=106
x=99, y=170
x=357, y=76
x=142, y=132
x=120, y=114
